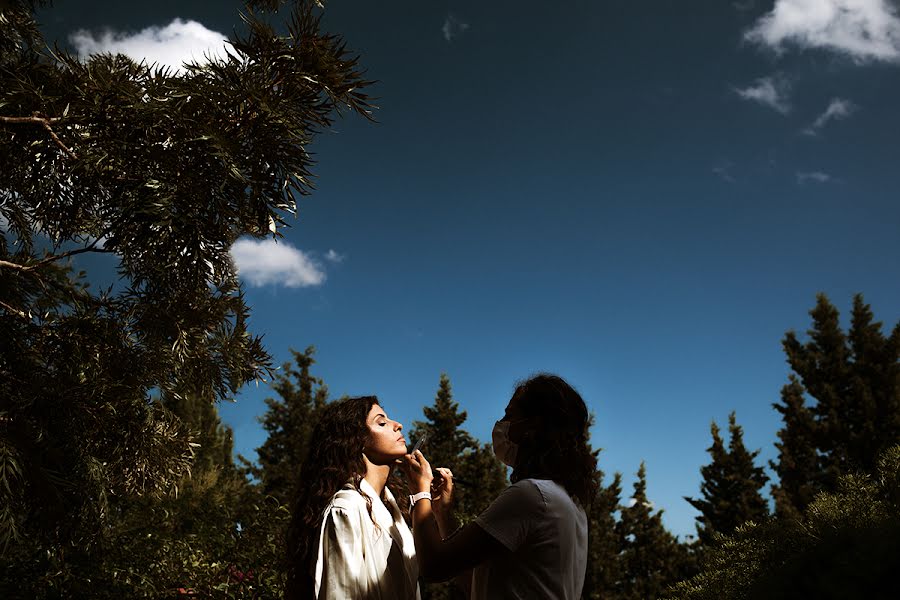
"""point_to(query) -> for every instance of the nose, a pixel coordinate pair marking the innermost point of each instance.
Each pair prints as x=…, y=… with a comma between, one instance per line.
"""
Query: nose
x=398, y=426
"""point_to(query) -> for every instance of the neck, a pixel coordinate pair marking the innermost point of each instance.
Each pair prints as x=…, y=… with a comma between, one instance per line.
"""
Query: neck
x=377, y=476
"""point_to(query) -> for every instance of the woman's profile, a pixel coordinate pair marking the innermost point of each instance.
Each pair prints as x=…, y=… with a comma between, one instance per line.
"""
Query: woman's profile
x=531, y=542
x=348, y=538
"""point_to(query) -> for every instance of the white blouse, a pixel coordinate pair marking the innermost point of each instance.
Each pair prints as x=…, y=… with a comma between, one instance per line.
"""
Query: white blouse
x=356, y=559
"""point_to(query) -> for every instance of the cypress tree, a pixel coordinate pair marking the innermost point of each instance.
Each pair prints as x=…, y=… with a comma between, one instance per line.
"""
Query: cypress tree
x=650, y=557
x=797, y=465
x=853, y=381
x=731, y=486
x=603, y=569
x=451, y=446
x=288, y=421
x=448, y=445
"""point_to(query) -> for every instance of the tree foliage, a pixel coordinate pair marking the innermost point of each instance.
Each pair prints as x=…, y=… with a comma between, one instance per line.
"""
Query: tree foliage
x=450, y=445
x=650, y=558
x=603, y=573
x=160, y=171
x=846, y=544
x=731, y=485
x=841, y=410
x=288, y=421
x=481, y=477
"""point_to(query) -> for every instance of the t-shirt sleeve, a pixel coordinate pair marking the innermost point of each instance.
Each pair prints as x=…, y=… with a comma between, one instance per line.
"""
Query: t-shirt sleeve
x=340, y=571
x=513, y=515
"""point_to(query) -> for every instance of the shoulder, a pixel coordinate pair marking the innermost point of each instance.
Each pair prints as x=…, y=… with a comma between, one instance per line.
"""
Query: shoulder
x=346, y=500
x=519, y=500
x=555, y=496
x=531, y=490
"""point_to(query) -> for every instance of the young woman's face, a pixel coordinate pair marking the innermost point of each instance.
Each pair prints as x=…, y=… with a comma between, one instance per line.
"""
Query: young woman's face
x=386, y=442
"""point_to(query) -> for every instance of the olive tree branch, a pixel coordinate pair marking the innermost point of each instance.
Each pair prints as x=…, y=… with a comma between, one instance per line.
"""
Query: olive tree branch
x=14, y=310
x=45, y=122
x=53, y=258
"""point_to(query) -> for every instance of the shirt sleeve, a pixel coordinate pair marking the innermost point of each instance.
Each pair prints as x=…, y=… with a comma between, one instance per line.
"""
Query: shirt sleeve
x=513, y=515
x=340, y=568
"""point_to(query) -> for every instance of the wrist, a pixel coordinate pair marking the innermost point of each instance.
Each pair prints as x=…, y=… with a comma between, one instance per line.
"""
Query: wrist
x=414, y=498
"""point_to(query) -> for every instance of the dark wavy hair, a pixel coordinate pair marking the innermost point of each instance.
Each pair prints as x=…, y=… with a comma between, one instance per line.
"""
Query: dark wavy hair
x=335, y=459
x=558, y=449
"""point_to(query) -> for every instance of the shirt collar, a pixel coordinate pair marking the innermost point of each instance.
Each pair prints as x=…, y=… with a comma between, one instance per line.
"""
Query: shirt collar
x=368, y=490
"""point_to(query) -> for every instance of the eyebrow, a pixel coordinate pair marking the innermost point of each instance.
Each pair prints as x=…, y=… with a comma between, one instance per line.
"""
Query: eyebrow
x=380, y=415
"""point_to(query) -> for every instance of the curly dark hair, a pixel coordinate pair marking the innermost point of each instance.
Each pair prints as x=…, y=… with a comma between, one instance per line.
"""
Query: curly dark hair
x=559, y=449
x=335, y=458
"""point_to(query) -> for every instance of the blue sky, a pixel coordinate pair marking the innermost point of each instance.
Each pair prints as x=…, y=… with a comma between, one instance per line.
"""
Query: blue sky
x=639, y=196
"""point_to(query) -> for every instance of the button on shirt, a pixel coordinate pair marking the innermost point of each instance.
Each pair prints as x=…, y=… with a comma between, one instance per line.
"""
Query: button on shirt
x=545, y=532
x=356, y=559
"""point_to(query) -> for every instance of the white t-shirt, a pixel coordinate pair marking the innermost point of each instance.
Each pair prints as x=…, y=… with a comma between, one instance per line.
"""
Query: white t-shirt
x=356, y=559
x=546, y=534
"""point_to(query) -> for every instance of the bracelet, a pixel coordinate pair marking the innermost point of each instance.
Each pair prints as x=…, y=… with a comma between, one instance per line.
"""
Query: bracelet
x=420, y=496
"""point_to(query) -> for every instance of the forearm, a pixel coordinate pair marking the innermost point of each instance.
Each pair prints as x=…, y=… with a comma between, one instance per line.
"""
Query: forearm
x=427, y=535
x=447, y=522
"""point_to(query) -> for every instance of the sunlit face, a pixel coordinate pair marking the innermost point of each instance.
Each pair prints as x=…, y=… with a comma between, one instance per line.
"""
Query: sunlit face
x=386, y=442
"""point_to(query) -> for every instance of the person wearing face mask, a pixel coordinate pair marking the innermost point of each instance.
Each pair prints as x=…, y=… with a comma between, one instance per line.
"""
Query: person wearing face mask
x=531, y=542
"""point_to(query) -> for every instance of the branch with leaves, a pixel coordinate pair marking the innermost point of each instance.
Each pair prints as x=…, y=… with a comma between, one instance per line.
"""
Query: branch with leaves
x=45, y=122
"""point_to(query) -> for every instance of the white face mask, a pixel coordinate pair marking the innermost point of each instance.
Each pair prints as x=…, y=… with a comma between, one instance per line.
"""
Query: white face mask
x=504, y=448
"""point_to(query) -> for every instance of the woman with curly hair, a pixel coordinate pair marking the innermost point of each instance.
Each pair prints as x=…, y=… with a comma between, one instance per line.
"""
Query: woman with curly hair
x=348, y=538
x=531, y=542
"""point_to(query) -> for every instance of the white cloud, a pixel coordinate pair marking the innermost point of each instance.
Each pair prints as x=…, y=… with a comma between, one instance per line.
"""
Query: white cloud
x=864, y=30
x=453, y=27
x=263, y=262
x=178, y=42
x=768, y=91
x=333, y=256
x=813, y=176
x=837, y=109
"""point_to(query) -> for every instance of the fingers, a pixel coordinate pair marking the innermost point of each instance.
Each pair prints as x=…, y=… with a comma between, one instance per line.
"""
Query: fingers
x=421, y=459
x=445, y=472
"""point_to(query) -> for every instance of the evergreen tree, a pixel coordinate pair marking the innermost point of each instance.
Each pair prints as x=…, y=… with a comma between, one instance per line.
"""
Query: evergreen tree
x=845, y=544
x=482, y=476
x=650, y=557
x=289, y=421
x=161, y=172
x=853, y=382
x=451, y=446
x=603, y=572
x=797, y=466
x=214, y=441
x=731, y=486
x=446, y=441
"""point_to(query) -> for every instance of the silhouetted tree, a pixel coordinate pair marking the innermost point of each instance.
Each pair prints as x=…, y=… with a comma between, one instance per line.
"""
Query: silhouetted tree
x=651, y=559
x=731, y=485
x=798, y=463
x=448, y=445
x=852, y=382
x=289, y=421
x=603, y=569
x=846, y=544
